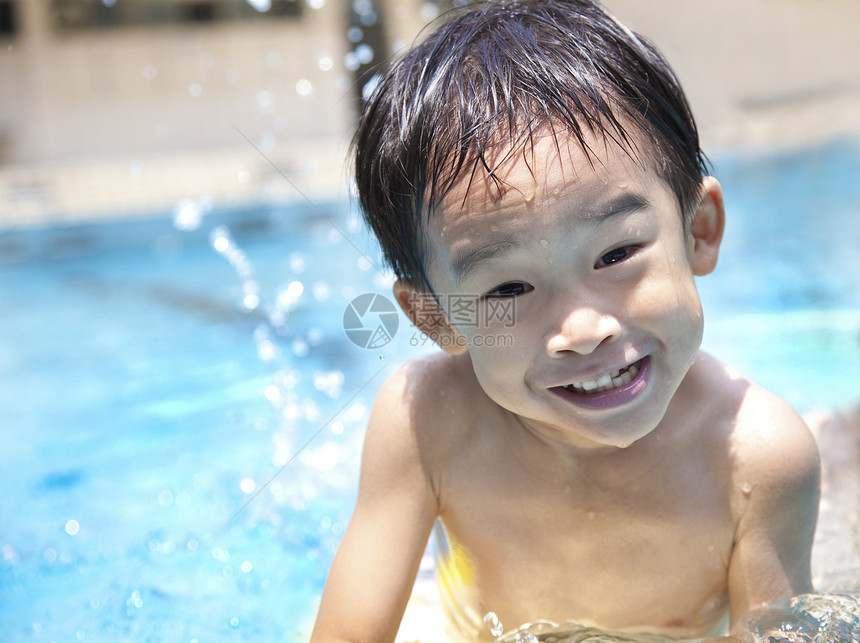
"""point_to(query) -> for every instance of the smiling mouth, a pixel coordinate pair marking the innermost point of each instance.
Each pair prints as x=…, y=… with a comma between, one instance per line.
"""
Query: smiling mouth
x=607, y=382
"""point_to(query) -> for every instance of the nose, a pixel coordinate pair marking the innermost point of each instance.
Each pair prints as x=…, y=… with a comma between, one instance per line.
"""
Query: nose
x=581, y=331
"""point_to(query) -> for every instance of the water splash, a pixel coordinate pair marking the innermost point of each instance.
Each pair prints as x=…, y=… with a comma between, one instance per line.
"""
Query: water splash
x=825, y=618
x=491, y=620
x=222, y=242
x=188, y=213
x=808, y=618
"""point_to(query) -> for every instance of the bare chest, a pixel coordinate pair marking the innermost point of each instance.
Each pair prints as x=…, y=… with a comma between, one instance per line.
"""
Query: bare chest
x=651, y=554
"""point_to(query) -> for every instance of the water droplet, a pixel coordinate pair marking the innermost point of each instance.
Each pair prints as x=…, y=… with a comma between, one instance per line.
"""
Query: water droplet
x=325, y=62
x=295, y=289
x=187, y=215
x=321, y=291
x=72, y=527
x=746, y=488
x=247, y=566
x=220, y=554
x=134, y=600
x=492, y=621
x=350, y=61
x=429, y=11
x=297, y=262
x=330, y=383
x=622, y=185
x=10, y=555
x=265, y=101
x=364, y=53
x=526, y=637
x=304, y=87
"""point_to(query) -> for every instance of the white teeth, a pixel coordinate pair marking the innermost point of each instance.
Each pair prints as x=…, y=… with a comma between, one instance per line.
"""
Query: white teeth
x=605, y=382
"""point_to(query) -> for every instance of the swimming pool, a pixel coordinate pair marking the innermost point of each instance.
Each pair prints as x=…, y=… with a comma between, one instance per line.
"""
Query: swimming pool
x=183, y=412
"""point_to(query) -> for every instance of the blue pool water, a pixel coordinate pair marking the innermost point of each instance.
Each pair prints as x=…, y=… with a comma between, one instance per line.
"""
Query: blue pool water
x=182, y=411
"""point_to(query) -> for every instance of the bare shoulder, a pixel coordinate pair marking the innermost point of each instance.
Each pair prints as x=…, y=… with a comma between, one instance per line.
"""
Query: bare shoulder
x=773, y=452
x=763, y=425
x=427, y=390
x=422, y=410
x=772, y=442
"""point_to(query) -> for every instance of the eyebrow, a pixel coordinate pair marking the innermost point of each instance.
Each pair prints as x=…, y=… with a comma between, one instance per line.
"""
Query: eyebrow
x=627, y=203
x=467, y=261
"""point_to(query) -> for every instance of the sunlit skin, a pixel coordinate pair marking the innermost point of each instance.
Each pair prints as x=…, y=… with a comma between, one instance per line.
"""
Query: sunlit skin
x=682, y=496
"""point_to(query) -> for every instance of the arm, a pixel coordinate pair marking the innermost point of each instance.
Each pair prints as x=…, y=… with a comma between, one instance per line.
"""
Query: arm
x=374, y=569
x=778, y=478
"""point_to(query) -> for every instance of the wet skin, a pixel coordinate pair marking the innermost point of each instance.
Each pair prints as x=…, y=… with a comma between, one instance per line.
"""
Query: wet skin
x=588, y=461
x=600, y=267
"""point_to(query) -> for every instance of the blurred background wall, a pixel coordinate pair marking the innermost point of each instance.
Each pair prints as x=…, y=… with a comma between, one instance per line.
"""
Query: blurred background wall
x=124, y=107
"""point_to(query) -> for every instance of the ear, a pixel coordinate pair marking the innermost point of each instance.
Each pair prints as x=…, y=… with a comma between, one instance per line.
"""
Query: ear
x=424, y=311
x=706, y=228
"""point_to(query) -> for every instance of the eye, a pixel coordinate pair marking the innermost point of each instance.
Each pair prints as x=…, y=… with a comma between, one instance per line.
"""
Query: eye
x=616, y=256
x=509, y=289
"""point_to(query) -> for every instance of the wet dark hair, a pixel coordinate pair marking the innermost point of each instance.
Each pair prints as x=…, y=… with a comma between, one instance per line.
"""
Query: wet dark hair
x=495, y=75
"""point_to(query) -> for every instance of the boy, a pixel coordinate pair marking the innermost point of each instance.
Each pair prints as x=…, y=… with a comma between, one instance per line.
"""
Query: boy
x=586, y=461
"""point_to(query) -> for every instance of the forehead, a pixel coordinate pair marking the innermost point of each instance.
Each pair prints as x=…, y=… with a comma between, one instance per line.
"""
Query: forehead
x=549, y=175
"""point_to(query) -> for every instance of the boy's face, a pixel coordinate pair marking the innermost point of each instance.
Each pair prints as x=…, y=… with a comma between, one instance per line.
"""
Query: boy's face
x=595, y=264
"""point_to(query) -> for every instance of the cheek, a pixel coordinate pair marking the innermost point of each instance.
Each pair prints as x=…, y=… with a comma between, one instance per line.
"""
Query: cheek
x=669, y=295
x=500, y=359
